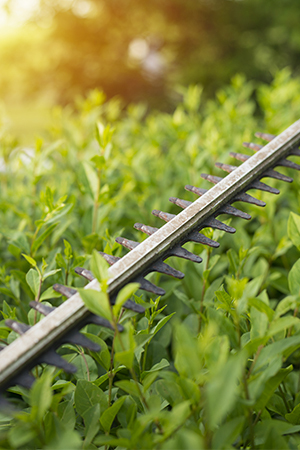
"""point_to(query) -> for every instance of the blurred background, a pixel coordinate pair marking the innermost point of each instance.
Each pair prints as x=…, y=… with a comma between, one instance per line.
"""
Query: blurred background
x=55, y=51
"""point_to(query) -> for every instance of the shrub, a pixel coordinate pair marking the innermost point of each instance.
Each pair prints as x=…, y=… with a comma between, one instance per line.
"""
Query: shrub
x=214, y=363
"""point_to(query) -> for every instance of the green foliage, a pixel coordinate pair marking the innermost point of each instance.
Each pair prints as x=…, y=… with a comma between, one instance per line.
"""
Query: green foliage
x=214, y=363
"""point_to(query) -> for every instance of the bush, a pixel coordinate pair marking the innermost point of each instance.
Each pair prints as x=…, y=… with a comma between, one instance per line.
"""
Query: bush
x=214, y=363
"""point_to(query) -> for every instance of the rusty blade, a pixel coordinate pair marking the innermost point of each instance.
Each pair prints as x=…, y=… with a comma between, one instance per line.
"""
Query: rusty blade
x=242, y=197
x=263, y=187
x=214, y=223
x=64, y=290
x=287, y=163
x=87, y=274
x=158, y=266
x=24, y=379
x=146, y=285
x=53, y=359
x=127, y=243
x=165, y=269
x=179, y=202
x=239, y=156
x=91, y=318
x=110, y=258
x=265, y=136
x=163, y=215
x=195, y=190
x=17, y=327
x=270, y=173
x=252, y=146
x=194, y=236
x=226, y=167
x=145, y=228
x=226, y=209
x=212, y=178
x=295, y=151
x=183, y=253
x=50, y=357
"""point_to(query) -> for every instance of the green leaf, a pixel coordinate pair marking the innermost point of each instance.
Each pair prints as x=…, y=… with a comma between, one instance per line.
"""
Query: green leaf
x=282, y=324
x=21, y=435
x=91, y=421
x=38, y=242
x=270, y=387
x=92, y=179
x=109, y=415
x=66, y=414
x=294, y=416
x=222, y=389
x=31, y=261
x=161, y=323
x=225, y=436
x=124, y=294
x=33, y=281
x=294, y=229
x=129, y=386
x=285, y=305
x=96, y=302
x=41, y=396
x=261, y=306
x=102, y=357
x=50, y=273
x=86, y=368
x=49, y=293
x=294, y=279
x=88, y=395
x=99, y=267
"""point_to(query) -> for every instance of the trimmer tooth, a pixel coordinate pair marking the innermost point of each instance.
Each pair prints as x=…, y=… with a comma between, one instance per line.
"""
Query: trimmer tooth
x=183, y=253
x=130, y=304
x=243, y=197
x=53, y=359
x=263, y=187
x=92, y=318
x=226, y=209
x=110, y=258
x=97, y=320
x=161, y=267
x=255, y=147
x=214, y=223
x=277, y=175
x=231, y=210
x=163, y=215
x=195, y=190
x=268, y=173
x=145, y=228
x=286, y=163
x=87, y=274
x=265, y=136
x=127, y=243
x=41, y=308
x=146, y=285
x=212, y=178
x=199, y=238
x=226, y=167
x=76, y=338
x=24, y=379
x=179, y=202
x=295, y=151
x=239, y=156
x=64, y=290
x=18, y=327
